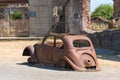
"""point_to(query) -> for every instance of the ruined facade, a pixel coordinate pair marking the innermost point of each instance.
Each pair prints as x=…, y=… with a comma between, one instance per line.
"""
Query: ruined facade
x=40, y=19
x=77, y=16
x=10, y=26
x=41, y=16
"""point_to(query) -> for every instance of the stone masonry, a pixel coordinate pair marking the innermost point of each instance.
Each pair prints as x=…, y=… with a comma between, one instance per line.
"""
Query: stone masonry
x=107, y=39
x=76, y=24
x=116, y=8
x=116, y=13
x=40, y=17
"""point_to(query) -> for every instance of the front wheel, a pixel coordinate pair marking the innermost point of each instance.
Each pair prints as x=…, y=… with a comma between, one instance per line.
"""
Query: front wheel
x=32, y=60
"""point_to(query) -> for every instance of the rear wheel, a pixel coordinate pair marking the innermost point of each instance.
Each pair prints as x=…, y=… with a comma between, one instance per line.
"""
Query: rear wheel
x=63, y=64
x=68, y=66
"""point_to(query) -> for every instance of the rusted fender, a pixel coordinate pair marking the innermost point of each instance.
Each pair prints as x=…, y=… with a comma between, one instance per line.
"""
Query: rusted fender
x=28, y=51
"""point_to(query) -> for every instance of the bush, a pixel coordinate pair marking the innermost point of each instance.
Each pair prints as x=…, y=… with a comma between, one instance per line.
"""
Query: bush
x=104, y=10
x=16, y=15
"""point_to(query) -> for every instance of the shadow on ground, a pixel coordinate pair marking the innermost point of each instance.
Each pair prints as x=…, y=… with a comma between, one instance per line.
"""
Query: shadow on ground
x=44, y=67
x=108, y=54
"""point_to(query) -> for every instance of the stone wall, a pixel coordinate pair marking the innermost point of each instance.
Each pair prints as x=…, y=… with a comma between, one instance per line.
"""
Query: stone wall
x=116, y=8
x=116, y=14
x=107, y=39
x=40, y=17
x=86, y=14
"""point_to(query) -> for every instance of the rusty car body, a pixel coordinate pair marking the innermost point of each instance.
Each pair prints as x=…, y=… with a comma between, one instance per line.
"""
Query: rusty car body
x=64, y=50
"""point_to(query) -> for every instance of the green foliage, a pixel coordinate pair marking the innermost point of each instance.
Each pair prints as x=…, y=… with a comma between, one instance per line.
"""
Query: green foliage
x=104, y=10
x=16, y=15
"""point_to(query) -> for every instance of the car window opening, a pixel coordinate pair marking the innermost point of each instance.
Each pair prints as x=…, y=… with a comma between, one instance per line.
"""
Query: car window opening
x=81, y=43
x=59, y=43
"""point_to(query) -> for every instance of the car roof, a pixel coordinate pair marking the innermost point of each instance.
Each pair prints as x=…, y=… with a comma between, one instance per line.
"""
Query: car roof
x=69, y=38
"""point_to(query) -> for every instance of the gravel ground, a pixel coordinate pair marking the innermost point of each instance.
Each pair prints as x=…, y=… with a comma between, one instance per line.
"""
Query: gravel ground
x=13, y=66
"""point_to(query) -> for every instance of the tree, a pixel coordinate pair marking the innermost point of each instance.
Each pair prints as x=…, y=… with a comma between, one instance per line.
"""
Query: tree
x=104, y=10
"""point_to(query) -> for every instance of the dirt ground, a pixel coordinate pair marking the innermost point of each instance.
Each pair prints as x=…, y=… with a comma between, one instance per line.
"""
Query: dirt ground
x=12, y=50
x=11, y=60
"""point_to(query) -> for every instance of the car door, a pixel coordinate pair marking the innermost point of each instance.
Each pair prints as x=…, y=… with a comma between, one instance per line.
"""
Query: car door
x=45, y=54
x=58, y=50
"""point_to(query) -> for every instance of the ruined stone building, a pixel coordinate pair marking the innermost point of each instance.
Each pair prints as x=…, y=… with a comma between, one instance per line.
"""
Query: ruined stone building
x=41, y=14
x=8, y=26
x=41, y=18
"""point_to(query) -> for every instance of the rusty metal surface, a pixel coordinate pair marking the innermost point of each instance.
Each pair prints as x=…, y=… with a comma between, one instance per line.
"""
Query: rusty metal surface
x=66, y=51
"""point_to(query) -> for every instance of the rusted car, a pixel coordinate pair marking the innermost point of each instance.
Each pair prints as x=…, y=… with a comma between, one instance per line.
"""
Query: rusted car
x=64, y=50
